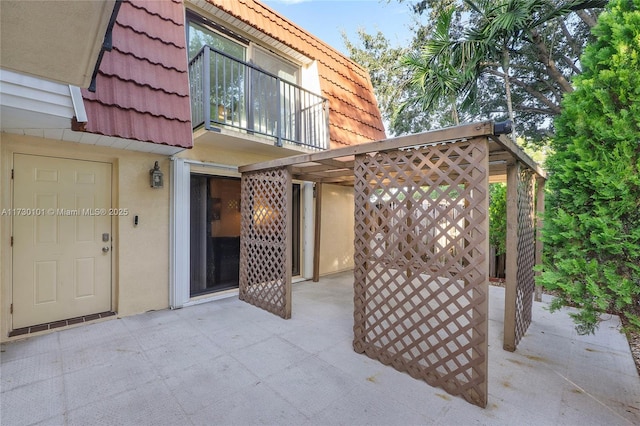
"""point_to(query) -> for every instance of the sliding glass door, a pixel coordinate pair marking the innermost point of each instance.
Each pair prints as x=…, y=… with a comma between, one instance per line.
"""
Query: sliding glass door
x=215, y=233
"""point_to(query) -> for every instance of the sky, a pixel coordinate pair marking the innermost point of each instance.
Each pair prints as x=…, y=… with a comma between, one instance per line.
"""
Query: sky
x=326, y=19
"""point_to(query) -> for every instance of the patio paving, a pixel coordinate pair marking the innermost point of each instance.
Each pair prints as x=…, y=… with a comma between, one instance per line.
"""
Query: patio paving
x=227, y=362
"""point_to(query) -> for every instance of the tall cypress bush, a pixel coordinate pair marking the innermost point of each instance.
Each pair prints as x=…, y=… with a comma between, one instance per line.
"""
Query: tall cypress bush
x=592, y=224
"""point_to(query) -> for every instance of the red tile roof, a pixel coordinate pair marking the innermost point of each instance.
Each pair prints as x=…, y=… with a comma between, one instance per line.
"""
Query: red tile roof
x=142, y=86
x=143, y=82
x=354, y=115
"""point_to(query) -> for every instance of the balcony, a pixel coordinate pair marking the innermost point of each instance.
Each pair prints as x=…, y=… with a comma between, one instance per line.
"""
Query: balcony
x=229, y=93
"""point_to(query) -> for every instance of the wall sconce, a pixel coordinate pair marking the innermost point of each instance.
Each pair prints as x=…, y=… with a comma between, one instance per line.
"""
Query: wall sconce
x=156, y=176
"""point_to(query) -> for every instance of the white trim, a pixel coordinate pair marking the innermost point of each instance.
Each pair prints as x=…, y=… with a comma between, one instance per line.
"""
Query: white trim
x=308, y=231
x=211, y=165
x=78, y=104
x=179, y=247
x=36, y=95
x=179, y=224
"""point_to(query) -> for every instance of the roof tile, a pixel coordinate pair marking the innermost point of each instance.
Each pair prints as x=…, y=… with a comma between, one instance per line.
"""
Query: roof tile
x=168, y=32
x=165, y=10
x=130, y=95
x=142, y=84
x=130, y=124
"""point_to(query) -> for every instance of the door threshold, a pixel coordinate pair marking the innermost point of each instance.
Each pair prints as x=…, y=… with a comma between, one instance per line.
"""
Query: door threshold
x=210, y=297
x=24, y=331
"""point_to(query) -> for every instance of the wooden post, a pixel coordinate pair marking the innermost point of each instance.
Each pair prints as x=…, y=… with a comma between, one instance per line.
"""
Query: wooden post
x=484, y=306
x=511, y=273
x=316, y=239
x=539, y=223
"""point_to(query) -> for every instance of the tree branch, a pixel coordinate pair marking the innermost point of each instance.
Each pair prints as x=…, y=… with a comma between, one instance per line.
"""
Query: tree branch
x=545, y=58
x=587, y=18
x=527, y=88
x=537, y=110
x=571, y=64
x=571, y=40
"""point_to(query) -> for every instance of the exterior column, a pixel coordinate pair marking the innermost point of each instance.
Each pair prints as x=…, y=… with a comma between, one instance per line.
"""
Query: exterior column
x=309, y=230
x=539, y=224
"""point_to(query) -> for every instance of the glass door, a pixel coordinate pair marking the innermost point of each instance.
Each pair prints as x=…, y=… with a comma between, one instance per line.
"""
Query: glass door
x=215, y=234
x=295, y=230
x=276, y=103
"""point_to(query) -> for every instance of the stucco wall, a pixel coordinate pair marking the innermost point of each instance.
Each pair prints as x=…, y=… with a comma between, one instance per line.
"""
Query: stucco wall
x=336, y=232
x=140, y=254
x=143, y=249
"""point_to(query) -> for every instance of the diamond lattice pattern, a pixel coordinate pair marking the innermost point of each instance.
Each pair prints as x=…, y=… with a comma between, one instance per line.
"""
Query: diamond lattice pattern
x=264, y=278
x=420, y=264
x=525, y=280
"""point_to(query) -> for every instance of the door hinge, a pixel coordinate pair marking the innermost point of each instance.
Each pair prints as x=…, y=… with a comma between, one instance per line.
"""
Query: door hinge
x=12, y=241
x=11, y=309
x=11, y=173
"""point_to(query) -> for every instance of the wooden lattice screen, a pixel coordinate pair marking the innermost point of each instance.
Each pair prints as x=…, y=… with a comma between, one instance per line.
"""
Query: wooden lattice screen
x=265, y=261
x=421, y=270
x=520, y=286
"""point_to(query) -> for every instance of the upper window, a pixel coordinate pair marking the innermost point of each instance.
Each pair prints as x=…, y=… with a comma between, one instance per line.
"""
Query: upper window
x=276, y=65
x=201, y=33
x=198, y=36
x=237, y=84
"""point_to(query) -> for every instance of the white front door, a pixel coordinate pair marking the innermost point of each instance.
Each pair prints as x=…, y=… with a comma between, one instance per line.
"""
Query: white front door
x=61, y=239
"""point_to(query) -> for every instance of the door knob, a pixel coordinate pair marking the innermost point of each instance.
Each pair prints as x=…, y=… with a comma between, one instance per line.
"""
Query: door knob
x=105, y=249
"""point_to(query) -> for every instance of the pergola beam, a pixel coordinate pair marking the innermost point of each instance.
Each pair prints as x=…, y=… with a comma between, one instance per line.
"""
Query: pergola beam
x=519, y=154
x=336, y=166
x=457, y=133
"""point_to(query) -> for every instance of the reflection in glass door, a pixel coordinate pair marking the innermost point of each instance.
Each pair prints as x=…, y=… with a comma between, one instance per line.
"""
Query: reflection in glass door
x=215, y=233
x=295, y=230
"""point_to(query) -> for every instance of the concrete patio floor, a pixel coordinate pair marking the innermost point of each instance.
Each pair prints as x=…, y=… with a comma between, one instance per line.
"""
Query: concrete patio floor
x=227, y=362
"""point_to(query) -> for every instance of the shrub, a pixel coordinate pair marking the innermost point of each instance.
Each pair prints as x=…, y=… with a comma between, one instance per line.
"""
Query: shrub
x=592, y=225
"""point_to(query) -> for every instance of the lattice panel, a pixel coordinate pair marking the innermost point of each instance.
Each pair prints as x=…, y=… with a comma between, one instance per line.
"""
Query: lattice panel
x=525, y=281
x=265, y=277
x=421, y=269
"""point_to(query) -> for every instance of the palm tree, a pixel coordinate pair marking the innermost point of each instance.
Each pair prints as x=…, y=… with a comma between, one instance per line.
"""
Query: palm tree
x=499, y=28
x=433, y=77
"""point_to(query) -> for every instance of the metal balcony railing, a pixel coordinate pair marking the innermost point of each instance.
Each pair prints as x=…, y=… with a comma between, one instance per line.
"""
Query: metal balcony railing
x=226, y=92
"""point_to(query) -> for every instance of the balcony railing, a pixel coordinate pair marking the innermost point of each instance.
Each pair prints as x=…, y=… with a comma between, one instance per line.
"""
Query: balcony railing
x=226, y=92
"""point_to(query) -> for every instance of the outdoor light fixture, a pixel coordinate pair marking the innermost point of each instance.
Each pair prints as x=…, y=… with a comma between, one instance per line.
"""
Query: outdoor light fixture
x=503, y=127
x=156, y=176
